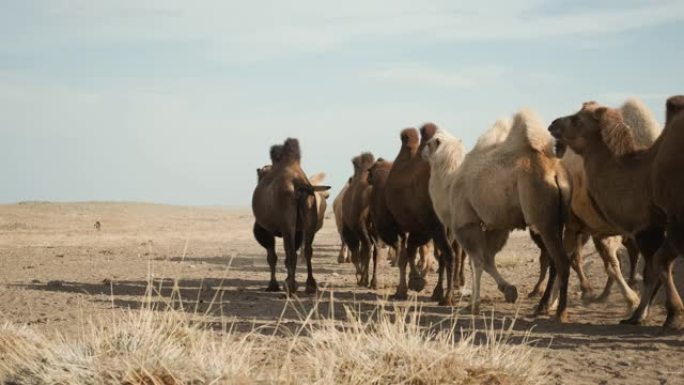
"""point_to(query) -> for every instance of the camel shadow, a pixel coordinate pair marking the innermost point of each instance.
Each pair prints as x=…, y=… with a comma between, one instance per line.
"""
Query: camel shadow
x=245, y=305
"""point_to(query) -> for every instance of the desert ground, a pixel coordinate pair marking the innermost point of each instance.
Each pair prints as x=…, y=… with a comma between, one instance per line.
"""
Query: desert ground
x=56, y=270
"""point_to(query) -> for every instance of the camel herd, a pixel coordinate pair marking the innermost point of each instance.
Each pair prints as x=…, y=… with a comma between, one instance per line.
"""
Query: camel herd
x=605, y=174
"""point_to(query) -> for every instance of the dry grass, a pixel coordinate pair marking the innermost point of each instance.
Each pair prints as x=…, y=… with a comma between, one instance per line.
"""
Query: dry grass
x=167, y=347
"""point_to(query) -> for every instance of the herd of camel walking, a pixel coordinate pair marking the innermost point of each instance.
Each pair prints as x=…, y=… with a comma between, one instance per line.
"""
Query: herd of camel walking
x=609, y=174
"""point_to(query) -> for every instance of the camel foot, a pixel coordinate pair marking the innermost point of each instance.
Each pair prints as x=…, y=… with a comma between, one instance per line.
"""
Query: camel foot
x=511, y=294
x=540, y=310
x=635, y=319
x=341, y=259
x=416, y=283
x=561, y=318
x=437, y=294
x=311, y=286
x=273, y=287
x=399, y=296
x=633, y=283
x=475, y=308
x=291, y=286
x=536, y=292
x=674, y=322
x=374, y=284
x=448, y=300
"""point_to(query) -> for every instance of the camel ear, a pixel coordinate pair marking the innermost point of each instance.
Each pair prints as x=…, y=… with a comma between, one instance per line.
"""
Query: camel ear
x=599, y=112
x=320, y=188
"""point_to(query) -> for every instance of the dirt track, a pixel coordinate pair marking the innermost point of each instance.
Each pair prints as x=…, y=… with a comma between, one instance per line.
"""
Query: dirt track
x=56, y=270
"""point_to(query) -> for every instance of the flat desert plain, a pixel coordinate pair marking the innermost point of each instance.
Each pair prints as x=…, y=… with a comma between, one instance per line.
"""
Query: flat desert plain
x=57, y=270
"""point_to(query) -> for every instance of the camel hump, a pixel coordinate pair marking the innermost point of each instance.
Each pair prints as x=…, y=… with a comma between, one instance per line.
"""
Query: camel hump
x=427, y=131
x=673, y=106
x=495, y=135
x=644, y=125
x=528, y=131
x=363, y=162
x=317, y=179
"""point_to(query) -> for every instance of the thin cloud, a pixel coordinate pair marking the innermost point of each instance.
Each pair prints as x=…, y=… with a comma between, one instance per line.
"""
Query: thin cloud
x=425, y=76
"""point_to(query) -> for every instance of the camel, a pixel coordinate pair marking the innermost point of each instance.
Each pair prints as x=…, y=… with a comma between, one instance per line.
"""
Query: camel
x=510, y=180
x=618, y=182
x=356, y=221
x=284, y=205
x=385, y=229
x=408, y=201
x=668, y=196
x=343, y=255
x=586, y=220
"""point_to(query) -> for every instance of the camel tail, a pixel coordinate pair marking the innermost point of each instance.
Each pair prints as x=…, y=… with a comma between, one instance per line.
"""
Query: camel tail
x=562, y=213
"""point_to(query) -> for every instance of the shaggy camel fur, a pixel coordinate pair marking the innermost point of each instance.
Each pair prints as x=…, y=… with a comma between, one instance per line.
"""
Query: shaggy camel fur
x=343, y=255
x=408, y=200
x=499, y=187
x=668, y=195
x=356, y=221
x=618, y=182
x=284, y=205
x=586, y=220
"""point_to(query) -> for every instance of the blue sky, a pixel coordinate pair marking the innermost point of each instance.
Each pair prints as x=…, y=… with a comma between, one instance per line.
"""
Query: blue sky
x=178, y=102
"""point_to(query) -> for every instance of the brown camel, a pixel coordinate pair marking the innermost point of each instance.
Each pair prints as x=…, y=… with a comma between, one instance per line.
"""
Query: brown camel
x=585, y=220
x=357, y=228
x=618, y=182
x=385, y=228
x=408, y=200
x=668, y=196
x=284, y=205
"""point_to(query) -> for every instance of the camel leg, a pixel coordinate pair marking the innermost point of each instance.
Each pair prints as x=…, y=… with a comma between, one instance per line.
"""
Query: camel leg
x=374, y=280
x=472, y=240
x=649, y=241
x=366, y=250
x=561, y=263
x=402, y=260
x=633, y=251
x=416, y=281
x=342, y=257
x=438, y=292
x=495, y=240
x=664, y=262
x=290, y=244
x=267, y=240
x=459, y=266
x=447, y=259
x=607, y=250
x=573, y=242
x=311, y=286
x=543, y=265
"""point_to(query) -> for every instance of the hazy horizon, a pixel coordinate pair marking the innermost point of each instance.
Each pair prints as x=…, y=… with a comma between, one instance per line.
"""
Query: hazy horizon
x=167, y=102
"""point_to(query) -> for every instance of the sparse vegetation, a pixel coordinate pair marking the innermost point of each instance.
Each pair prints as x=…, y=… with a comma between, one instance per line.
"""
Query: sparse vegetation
x=167, y=347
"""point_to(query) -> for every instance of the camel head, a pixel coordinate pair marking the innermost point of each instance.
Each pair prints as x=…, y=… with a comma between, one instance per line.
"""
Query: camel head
x=380, y=165
x=362, y=163
x=593, y=123
x=263, y=171
x=674, y=106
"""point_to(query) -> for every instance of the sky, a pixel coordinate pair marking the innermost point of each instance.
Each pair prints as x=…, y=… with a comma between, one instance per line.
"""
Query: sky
x=178, y=102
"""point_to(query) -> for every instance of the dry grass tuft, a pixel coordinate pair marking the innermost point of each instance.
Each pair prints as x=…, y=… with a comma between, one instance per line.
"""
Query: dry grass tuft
x=148, y=347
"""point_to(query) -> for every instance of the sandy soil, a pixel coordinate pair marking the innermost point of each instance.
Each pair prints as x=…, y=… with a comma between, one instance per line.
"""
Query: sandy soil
x=56, y=270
